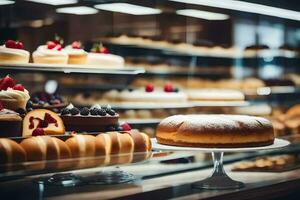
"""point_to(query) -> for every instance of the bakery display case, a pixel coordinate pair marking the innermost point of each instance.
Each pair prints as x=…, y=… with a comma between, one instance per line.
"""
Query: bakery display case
x=142, y=99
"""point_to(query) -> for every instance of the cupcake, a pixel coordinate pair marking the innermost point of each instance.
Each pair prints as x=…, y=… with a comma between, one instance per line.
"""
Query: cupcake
x=51, y=53
x=101, y=57
x=13, y=52
x=13, y=96
x=76, y=54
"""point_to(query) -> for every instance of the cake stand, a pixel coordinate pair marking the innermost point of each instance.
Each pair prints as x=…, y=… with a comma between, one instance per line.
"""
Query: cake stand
x=219, y=179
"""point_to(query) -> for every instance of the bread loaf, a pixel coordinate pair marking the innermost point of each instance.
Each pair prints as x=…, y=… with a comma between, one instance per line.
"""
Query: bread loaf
x=11, y=152
x=42, y=148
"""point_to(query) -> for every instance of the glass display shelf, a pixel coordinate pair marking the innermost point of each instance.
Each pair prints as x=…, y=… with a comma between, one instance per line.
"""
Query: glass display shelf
x=174, y=51
x=68, y=69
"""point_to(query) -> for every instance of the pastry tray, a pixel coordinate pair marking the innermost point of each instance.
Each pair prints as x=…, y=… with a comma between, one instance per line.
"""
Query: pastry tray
x=283, y=168
x=265, y=53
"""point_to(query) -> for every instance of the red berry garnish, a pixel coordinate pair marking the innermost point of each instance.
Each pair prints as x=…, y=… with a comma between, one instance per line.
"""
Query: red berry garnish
x=51, y=45
x=19, y=45
x=58, y=47
x=38, y=131
x=1, y=105
x=168, y=87
x=7, y=82
x=19, y=87
x=12, y=44
x=48, y=118
x=149, y=87
x=76, y=45
x=104, y=50
x=126, y=127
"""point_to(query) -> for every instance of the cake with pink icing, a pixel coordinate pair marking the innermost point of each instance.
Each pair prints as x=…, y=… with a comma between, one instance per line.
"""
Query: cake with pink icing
x=12, y=52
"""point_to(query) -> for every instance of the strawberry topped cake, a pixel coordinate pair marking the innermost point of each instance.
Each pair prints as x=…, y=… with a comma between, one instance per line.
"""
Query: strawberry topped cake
x=150, y=94
x=77, y=55
x=51, y=53
x=100, y=56
x=13, y=96
x=13, y=52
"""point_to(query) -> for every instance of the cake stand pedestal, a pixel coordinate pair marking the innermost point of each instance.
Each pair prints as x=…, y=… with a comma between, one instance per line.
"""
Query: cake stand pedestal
x=219, y=179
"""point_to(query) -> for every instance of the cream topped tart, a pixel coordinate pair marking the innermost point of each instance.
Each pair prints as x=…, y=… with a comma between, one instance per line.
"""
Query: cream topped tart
x=51, y=53
x=13, y=52
x=77, y=55
x=13, y=96
x=100, y=56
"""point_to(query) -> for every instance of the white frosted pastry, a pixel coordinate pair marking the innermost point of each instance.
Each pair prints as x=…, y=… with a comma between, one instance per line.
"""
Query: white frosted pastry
x=157, y=96
x=14, y=99
x=105, y=60
x=215, y=95
x=49, y=56
x=76, y=55
x=11, y=55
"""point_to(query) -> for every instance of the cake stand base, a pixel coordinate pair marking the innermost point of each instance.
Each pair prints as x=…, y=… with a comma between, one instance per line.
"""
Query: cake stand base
x=219, y=180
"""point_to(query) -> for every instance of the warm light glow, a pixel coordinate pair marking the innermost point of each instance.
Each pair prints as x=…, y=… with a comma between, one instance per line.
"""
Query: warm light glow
x=202, y=14
x=79, y=10
x=128, y=9
x=55, y=2
x=246, y=7
x=6, y=2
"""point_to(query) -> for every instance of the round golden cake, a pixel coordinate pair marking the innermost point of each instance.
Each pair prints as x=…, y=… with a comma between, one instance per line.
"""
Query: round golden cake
x=215, y=131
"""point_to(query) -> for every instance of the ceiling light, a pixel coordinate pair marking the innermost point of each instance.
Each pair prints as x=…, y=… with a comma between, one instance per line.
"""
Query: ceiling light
x=79, y=10
x=6, y=2
x=128, y=9
x=246, y=7
x=202, y=14
x=55, y=2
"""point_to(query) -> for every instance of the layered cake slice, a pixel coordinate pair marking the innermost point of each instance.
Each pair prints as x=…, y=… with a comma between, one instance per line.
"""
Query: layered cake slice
x=42, y=122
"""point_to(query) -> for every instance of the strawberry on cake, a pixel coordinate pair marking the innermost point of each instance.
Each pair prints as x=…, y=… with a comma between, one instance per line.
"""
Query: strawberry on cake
x=77, y=55
x=13, y=96
x=51, y=53
x=148, y=95
x=13, y=52
x=100, y=56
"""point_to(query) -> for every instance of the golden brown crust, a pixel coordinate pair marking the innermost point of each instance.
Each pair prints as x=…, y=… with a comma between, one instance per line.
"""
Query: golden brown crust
x=103, y=144
x=81, y=145
x=45, y=148
x=11, y=152
x=115, y=142
x=216, y=145
x=139, y=141
x=215, y=131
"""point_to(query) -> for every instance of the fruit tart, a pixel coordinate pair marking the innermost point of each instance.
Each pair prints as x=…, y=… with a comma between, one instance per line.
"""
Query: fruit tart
x=92, y=119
